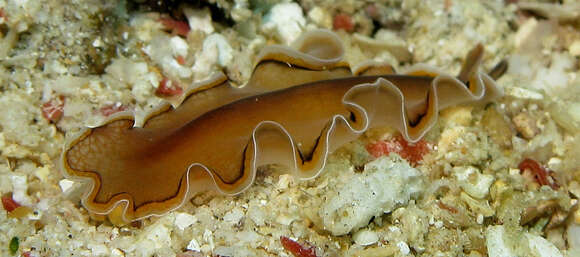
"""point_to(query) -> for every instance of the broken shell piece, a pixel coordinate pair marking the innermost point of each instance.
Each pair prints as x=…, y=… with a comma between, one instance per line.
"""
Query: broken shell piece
x=526, y=37
x=575, y=214
x=557, y=219
x=477, y=206
x=573, y=236
x=566, y=115
x=523, y=93
x=551, y=208
x=385, y=41
x=534, y=212
x=560, y=12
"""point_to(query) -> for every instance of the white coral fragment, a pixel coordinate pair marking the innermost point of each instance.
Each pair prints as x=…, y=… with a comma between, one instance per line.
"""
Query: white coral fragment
x=179, y=46
x=184, y=220
x=321, y=17
x=523, y=93
x=199, y=20
x=55, y=67
x=556, y=76
x=496, y=246
x=472, y=181
x=386, y=184
x=542, y=247
x=42, y=173
x=574, y=48
x=216, y=51
x=126, y=71
x=234, y=216
x=164, y=55
x=20, y=187
x=154, y=237
x=193, y=246
x=98, y=249
x=502, y=244
x=284, y=181
x=145, y=26
x=286, y=21
x=66, y=185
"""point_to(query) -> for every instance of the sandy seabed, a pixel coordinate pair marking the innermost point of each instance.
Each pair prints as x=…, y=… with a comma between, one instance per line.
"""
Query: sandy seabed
x=65, y=65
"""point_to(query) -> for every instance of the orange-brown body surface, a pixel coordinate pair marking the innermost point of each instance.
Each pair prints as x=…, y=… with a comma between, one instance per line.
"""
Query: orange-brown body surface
x=300, y=104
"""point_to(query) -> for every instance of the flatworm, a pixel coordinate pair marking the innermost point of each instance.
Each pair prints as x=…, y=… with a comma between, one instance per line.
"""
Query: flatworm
x=300, y=104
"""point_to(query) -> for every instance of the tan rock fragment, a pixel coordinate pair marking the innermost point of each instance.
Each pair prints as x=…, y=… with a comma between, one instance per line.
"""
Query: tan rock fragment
x=526, y=125
x=574, y=48
x=497, y=127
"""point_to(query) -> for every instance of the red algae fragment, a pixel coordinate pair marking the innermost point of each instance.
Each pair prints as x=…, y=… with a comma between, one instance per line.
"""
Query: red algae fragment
x=447, y=5
x=9, y=204
x=411, y=152
x=3, y=16
x=14, y=209
x=372, y=11
x=112, y=108
x=168, y=88
x=540, y=173
x=446, y=207
x=296, y=248
x=343, y=21
x=178, y=27
x=180, y=59
x=53, y=109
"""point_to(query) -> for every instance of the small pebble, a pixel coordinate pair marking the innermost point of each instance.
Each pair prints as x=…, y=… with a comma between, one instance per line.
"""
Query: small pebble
x=365, y=237
x=404, y=248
